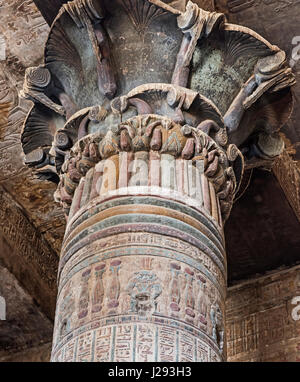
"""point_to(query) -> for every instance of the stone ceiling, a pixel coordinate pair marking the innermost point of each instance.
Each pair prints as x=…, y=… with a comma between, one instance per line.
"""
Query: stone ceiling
x=25, y=325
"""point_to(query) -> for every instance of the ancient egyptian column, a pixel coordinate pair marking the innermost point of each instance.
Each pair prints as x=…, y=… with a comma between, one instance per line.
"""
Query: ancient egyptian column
x=146, y=114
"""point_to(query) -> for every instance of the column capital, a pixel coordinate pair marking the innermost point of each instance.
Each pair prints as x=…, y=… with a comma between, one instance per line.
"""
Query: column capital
x=149, y=133
x=189, y=66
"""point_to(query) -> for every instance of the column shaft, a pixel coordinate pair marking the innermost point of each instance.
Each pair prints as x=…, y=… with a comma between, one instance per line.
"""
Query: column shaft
x=143, y=271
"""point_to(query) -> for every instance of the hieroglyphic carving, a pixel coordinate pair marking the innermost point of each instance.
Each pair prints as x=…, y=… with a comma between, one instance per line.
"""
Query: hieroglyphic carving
x=175, y=288
x=84, y=347
x=21, y=234
x=123, y=346
x=84, y=298
x=66, y=312
x=236, y=6
x=287, y=172
x=12, y=116
x=165, y=344
x=22, y=23
x=114, y=286
x=103, y=345
x=187, y=348
x=145, y=338
x=217, y=320
x=257, y=327
x=30, y=247
x=98, y=291
x=188, y=294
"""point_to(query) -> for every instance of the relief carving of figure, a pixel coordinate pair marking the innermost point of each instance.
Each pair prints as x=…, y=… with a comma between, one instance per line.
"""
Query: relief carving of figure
x=66, y=309
x=144, y=289
x=217, y=321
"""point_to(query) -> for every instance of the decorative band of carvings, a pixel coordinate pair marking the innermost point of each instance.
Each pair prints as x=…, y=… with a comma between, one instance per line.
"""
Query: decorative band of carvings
x=142, y=205
x=154, y=289
x=177, y=200
x=126, y=338
x=142, y=223
x=143, y=243
x=214, y=271
x=149, y=150
x=212, y=230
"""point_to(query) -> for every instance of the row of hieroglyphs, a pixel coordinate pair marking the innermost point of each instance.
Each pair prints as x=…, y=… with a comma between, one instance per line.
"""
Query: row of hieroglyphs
x=21, y=235
x=236, y=6
x=264, y=313
x=136, y=342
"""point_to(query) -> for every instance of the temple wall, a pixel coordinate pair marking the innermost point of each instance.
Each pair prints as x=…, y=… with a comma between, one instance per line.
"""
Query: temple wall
x=260, y=324
x=35, y=354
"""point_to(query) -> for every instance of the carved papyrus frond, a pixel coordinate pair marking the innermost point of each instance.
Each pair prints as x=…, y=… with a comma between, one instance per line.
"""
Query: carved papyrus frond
x=61, y=51
x=142, y=13
x=241, y=41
